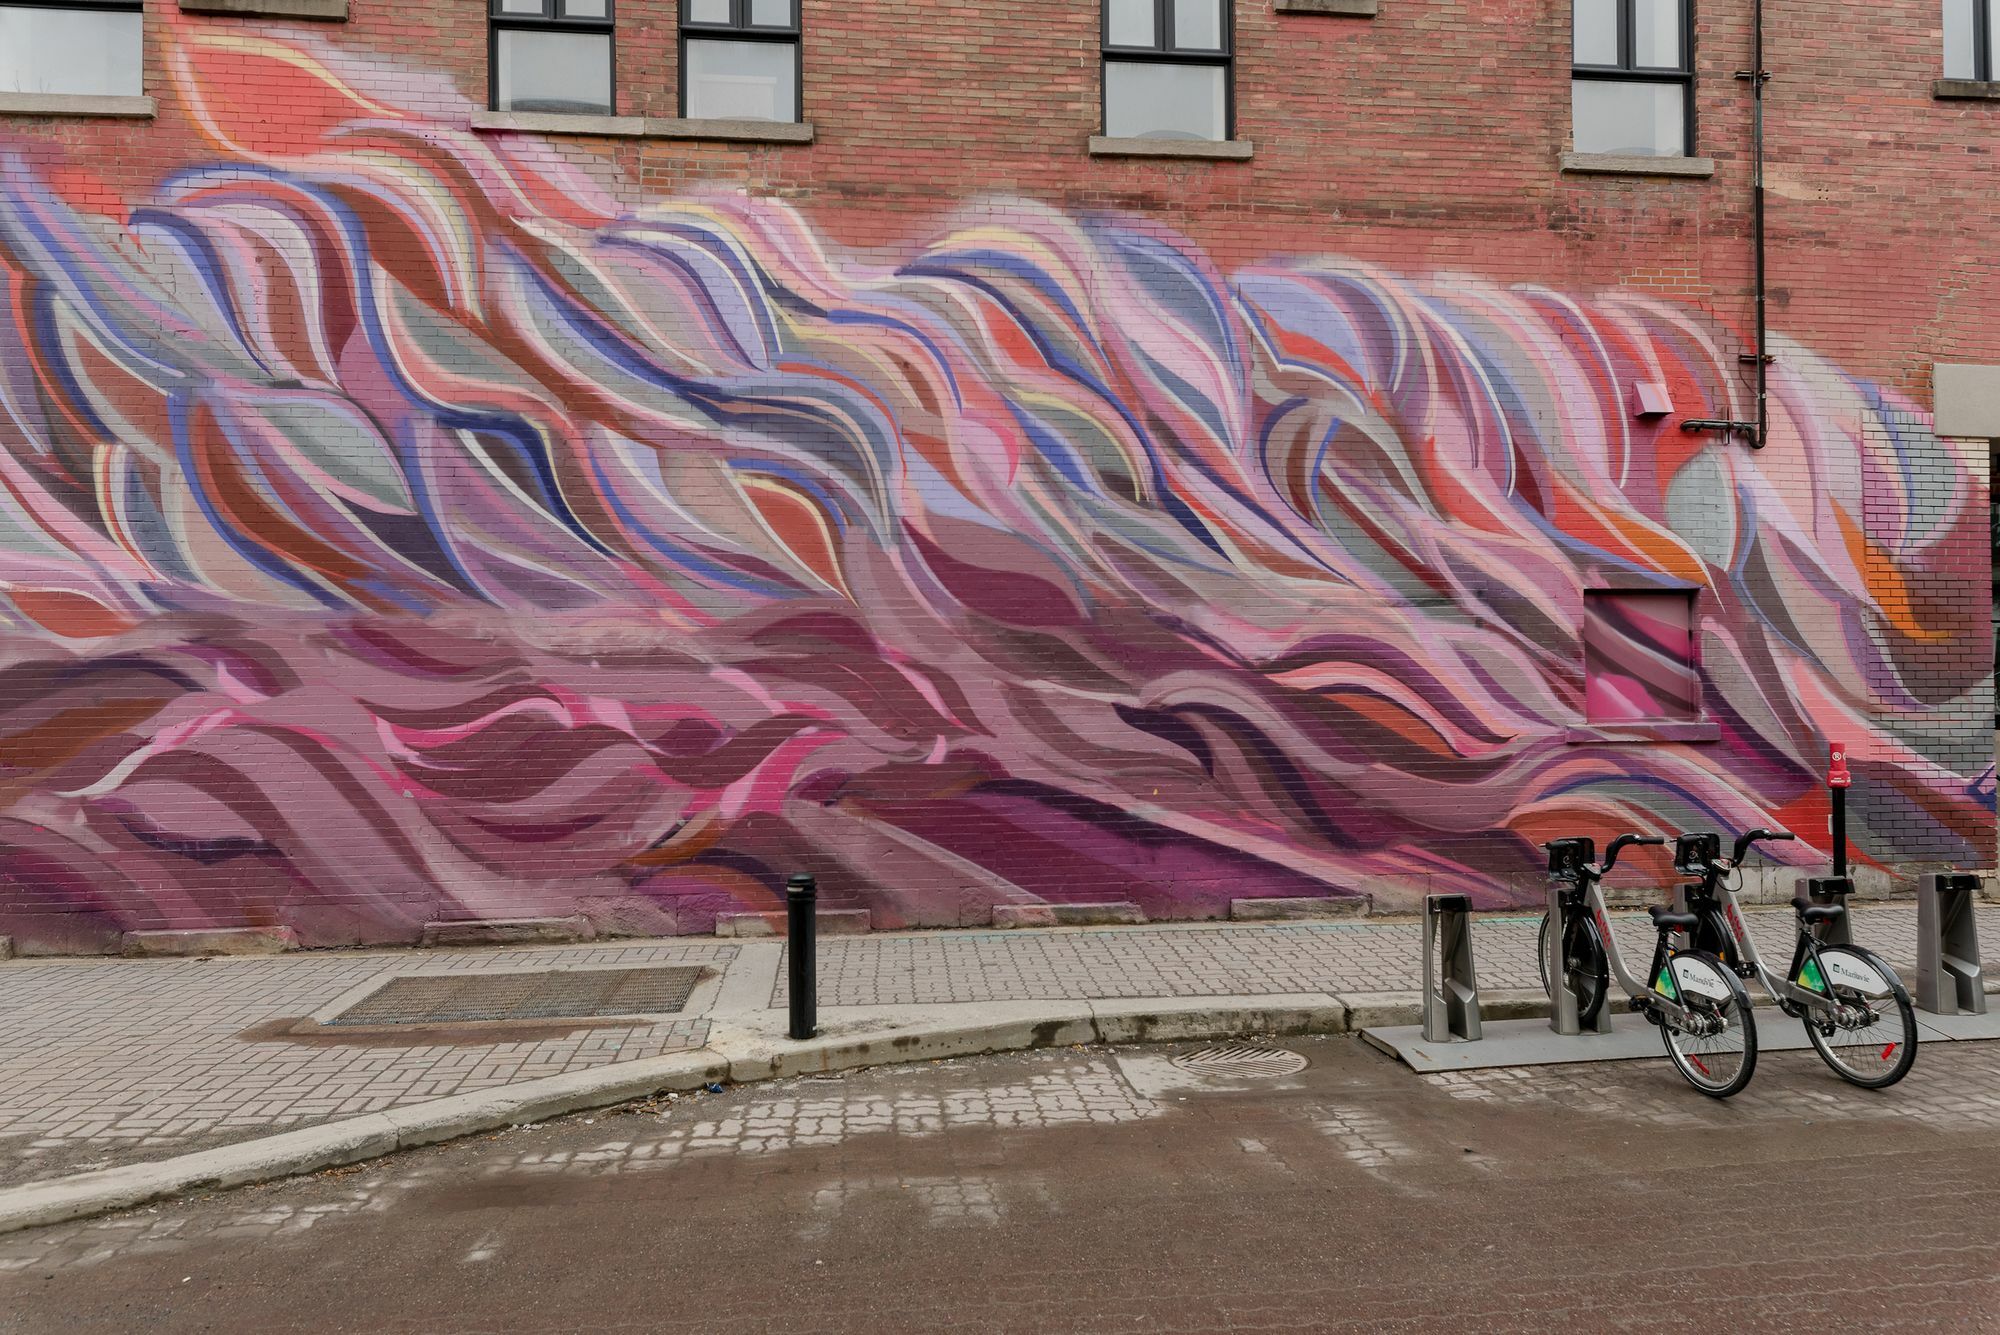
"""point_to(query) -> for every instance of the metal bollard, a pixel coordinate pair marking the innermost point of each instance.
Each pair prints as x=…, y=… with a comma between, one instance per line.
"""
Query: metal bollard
x=802, y=953
x=1451, y=985
x=1949, y=980
x=1832, y=890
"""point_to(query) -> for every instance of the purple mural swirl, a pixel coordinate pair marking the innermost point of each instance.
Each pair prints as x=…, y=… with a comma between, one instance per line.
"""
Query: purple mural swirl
x=400, y=522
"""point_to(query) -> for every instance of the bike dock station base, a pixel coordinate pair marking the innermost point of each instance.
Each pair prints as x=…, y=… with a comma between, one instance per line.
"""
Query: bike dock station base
x=1533, y=1043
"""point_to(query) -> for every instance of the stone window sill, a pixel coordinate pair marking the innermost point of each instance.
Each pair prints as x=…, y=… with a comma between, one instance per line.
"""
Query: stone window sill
x=76, y=104
x=326, y=11
x=1632, y=164
x=1597, y=734
x=1354, y=9
x=1226, y=150
x=644, y=127
x=1975, y=90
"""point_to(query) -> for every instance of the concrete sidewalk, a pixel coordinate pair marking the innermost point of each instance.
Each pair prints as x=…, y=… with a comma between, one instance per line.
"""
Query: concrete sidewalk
x=106, y=1063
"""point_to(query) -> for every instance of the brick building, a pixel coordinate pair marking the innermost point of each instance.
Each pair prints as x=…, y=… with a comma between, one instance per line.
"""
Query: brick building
x=596, y=458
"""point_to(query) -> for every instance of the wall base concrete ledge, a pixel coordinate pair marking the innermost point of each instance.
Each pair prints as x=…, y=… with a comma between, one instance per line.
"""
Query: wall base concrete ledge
x=209, y=941
x=509, y=932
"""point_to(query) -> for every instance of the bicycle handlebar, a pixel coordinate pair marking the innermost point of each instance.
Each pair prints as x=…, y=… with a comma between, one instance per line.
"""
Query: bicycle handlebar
x=1619, y=845
x=1743, y=842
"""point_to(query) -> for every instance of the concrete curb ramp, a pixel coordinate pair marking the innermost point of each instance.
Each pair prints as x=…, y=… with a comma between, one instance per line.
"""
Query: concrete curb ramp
x=740, y=1049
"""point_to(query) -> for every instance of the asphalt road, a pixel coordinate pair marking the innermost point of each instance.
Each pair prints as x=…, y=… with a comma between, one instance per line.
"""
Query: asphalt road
x=1097, y=1190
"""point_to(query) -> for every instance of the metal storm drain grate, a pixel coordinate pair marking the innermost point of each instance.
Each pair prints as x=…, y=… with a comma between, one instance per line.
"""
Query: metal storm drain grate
x=557, y=994
x=1237, y=1061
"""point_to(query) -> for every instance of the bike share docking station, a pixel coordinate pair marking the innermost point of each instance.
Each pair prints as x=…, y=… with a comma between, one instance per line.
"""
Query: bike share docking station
x=1951, y=986
x=1454, y=1036
x=1451, y=984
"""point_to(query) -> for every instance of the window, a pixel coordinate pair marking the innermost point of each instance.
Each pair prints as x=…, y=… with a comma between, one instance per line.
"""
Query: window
x=1638, y=657
x=91, y=48
x=1968, y=40
x=1167, y=69
x=1632, y=78
x=553, y=56
x=740, y=60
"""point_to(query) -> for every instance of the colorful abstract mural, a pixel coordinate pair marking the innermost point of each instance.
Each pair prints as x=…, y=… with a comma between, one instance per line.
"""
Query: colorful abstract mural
x=399, y=523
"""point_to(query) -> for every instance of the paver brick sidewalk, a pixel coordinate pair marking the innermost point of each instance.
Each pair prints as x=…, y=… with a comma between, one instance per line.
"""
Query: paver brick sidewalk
x=111, y=1061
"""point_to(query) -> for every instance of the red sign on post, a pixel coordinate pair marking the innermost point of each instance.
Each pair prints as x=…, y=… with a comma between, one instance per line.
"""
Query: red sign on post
x=1836, y=770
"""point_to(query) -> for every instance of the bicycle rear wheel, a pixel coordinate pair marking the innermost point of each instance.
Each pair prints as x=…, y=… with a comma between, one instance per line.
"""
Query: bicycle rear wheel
x=1715, y=1048
x=1873, y=1043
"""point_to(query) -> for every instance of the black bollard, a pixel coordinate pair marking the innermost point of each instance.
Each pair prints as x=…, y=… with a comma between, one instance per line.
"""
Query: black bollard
x=1838, y=777
x=1840, y=832
x=802, y=953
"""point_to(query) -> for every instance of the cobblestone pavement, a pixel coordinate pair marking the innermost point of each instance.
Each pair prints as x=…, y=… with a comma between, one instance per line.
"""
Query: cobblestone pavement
x=109, y=1060
x=1106, y=1190
x=106, y=1061
x=1203, y=961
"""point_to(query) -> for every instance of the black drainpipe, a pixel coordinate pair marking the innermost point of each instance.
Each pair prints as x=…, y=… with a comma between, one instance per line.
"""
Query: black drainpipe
x=1758, y=433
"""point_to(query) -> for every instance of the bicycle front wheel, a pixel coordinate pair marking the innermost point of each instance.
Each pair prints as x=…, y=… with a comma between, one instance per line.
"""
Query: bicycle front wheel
x=1715, y=1047
x=1870, y=1039
x=1582, y=961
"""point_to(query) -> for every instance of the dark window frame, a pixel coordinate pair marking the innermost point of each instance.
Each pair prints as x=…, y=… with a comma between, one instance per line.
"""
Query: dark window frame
x=1697, y=682
x=1982, y=41
x=1163, y=52
x=1629, y=70
x=740, y=29
x=551, y=19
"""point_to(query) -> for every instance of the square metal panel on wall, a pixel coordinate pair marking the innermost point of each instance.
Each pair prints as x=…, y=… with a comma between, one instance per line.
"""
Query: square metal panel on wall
x=554, y=994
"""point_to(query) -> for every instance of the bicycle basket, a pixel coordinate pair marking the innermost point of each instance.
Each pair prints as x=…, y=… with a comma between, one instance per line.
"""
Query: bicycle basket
x=1567, y=857
x=1695, y=853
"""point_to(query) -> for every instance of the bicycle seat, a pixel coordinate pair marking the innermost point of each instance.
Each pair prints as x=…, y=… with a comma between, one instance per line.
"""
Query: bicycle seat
x=1810, y=912
x=1667, y=919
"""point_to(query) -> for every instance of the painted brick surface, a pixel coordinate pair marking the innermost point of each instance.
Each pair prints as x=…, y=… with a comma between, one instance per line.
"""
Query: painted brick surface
x=407, y=523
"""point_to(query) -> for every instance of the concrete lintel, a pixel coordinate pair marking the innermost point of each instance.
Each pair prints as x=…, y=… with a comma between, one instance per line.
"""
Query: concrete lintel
x=210, y=941
x=733, y=131
x=644, y=127
x=539, y=122
x=1354, y=9
x=1615, y=733
x=1225, y=150
x=326, y=11
x=1976, y=90
x=1635, y=164
x=1967, y=400
x=509, y=932
x=75, y=104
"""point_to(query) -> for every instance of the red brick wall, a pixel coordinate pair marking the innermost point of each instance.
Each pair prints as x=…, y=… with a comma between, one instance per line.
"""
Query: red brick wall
x=1425, y=138
x=1354, y=668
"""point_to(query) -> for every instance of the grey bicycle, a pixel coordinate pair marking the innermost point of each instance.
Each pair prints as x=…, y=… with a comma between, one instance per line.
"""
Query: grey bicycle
x=1856, y=1012
x=1698, y=1005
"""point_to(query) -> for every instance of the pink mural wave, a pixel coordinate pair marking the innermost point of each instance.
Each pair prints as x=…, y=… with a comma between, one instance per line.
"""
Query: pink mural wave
x=399, y=522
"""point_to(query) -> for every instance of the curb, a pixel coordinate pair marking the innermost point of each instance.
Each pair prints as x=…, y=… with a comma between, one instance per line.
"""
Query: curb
x=740, y=1050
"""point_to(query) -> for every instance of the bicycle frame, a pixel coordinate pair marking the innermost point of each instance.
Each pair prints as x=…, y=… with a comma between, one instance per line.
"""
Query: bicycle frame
x=1587, y=896
x=1739, y=945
